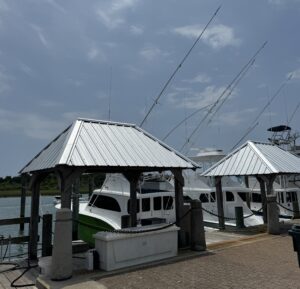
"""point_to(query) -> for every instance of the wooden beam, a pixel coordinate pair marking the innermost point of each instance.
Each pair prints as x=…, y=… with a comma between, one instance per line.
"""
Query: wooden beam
x=67, y=176
x=179, y=184
x=248, y=199
x=36, y=180
x=133, y=178
x=263, y=198
x=220, y=202
x=91, y=184
x=23, y=200
x=14, y=221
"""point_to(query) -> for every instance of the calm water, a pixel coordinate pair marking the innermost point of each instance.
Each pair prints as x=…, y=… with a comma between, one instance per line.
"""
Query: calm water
x=10, y=208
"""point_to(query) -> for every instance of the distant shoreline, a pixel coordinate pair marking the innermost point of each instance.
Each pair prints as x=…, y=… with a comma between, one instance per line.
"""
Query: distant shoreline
x=17, y=193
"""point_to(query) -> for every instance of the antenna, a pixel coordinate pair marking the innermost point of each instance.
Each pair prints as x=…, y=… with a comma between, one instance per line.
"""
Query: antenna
x=178, y=67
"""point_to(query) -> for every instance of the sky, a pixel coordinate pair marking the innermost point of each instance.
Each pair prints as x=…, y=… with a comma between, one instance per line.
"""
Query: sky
x=109, y=60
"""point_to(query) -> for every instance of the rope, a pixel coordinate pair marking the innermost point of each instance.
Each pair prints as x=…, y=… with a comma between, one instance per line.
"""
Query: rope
x=231, y=218
x=122, y=231
x=287, y=208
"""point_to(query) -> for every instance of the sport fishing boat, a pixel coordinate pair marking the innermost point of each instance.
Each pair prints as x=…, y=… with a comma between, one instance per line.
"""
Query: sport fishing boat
x=286, y=194
x=108, y=207
x=286, y=188
x=203, y=189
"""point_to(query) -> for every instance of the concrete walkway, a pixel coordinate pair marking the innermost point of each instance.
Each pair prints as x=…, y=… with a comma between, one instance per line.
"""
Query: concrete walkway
x=263, y=262
x=243, y=259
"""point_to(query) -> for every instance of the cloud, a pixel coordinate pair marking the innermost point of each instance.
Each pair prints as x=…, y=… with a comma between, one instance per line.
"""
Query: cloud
x=57, y=6
x=41, y=35
x=294, y=75
x=31, y=125
x=3, y=6
x=151, y=52
x=27, y=70
x=196, y=100
x=4, y=81
x=234, y=118
x=136, y=30
x=50, y=103
x=36, y=126
x=95, y=53
x=282, y=2
x=217, y=36
x=112, y=16
x=200, y=78
x=134, y=72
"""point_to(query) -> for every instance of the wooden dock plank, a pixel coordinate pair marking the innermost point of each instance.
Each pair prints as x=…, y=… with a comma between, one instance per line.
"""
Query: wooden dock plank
x=6, y=278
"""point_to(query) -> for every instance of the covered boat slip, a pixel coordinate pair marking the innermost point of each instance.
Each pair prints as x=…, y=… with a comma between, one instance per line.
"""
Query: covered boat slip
x=263, y=161
x=89, y=146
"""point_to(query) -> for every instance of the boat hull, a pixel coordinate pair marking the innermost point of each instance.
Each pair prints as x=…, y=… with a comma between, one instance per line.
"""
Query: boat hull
x=88, y=226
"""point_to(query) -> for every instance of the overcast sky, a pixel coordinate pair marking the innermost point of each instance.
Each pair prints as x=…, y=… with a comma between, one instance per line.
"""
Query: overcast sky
x=60, y=60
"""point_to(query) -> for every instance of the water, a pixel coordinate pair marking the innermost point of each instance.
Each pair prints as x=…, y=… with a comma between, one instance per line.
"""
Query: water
x=10, y=208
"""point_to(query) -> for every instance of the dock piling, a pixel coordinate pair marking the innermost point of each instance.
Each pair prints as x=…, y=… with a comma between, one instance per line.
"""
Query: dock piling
x=47, y=235
x=198, y=242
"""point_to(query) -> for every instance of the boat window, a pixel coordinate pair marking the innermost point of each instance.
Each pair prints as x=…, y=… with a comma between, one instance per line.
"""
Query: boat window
x=243, y=196
x=146, y=205
x=187, y=198
x=288, y=197
x=212, y=197
x=157, y=203
x=256, y=198
x=291, y=197
x=137, y=206
x=282, y=199
x=229, y=197
x=204, y=198
x=105, y=202
x=167, y=203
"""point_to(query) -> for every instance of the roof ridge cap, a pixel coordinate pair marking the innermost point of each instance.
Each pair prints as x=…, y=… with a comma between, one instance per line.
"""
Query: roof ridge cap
x=70, y=142
x=261, y=156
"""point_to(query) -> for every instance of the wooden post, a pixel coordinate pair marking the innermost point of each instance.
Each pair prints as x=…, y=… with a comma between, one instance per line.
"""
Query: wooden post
x=239, y=216
x=269, y=179
x=91, y=184
x=133, y=180
x=219, y=195
x=47, y=235
x=75, y=210
x=263, y=199
x=34, y=217
x=23, y=201
x=248, y=200
x=179, y=183
x=67, y=177
x=273, y=214
x=198, y=242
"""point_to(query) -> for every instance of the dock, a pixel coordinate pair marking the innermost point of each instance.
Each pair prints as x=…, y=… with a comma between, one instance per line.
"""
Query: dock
x=264, y=257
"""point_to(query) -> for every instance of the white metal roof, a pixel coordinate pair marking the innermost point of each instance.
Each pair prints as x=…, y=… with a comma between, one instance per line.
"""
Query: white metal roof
x=95, y=143
x=254, y=158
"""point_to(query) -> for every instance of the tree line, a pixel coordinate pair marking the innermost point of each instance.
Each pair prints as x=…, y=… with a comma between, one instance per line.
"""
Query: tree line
x=13, y=183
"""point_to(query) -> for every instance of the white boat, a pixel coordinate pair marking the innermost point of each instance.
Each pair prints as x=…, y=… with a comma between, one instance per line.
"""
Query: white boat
x=108, y=207
x=203, y=189
x=286, y=194
x=286, y=188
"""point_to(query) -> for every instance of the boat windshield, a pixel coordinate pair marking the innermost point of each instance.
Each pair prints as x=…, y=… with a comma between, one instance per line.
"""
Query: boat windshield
x=104, y=202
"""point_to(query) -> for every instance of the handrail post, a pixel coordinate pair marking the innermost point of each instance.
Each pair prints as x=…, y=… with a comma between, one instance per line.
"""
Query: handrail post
x=47, y=235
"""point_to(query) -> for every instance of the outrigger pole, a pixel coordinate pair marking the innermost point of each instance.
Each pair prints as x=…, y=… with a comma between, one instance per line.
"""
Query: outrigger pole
x=178, y=67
